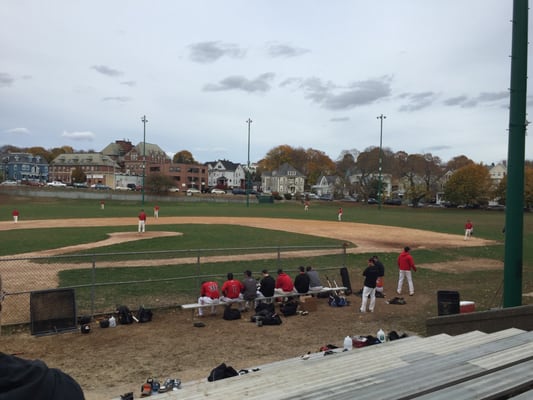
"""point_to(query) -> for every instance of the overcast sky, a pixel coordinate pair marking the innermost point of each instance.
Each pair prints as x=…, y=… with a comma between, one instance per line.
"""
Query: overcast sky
x=312, y=74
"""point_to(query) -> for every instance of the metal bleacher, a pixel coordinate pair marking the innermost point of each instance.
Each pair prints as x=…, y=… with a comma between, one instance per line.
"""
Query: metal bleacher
x=474, y=365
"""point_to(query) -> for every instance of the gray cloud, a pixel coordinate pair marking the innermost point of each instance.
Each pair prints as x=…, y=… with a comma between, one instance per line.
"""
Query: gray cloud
x=484, y=97
x=121, y=99
x=236, y=82
x=456, y=101
x=104, y=70
x=208, y=52
x=436, y=148
x=6, y=79
x=285, y=50
x=339, y=119
x=18, y=131
x=335, y=97
x=85, y=135
x=417, y=101
x=129, y=83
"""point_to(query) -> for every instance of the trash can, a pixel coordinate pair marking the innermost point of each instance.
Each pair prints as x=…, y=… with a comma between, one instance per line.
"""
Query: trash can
x=448, y=302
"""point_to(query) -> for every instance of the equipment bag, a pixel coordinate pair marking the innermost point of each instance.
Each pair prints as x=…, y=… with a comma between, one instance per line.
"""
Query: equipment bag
x=144, y=315
x=124, y=315
x=221, y=372
x=231, y=314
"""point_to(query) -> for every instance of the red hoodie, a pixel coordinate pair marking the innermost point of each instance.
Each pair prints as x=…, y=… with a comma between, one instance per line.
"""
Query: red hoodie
x=284, y=282
x=406, y=262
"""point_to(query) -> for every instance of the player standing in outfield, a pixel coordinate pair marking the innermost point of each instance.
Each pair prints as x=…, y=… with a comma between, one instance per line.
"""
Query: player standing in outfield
x=15, y=214
x=156, y=211
x=209, y=294
x=339, y=215
x=142, y=221
x=102, y=205
x=469, y=229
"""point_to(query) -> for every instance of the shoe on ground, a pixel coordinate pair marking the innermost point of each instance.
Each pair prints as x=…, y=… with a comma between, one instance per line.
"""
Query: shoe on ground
x=411, y=294
x=146, y=390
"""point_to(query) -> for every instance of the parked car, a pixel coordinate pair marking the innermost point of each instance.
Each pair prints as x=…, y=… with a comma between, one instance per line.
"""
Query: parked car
x=192, y=191
x=56, y=184
x=80, y=185
x=9, y=183
x=100, y=186
x=218, y=191
x=238, y=191
x=372, y=200
x=132, y=186
x=174, y=189
x=394, y=202
x=326, y=197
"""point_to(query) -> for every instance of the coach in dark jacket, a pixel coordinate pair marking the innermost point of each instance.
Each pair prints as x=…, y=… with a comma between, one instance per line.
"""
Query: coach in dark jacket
x=371, y=274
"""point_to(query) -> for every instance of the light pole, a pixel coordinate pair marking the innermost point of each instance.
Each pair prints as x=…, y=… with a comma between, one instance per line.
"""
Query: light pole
x=144, y=121
x=248, y=121
x=381, y=117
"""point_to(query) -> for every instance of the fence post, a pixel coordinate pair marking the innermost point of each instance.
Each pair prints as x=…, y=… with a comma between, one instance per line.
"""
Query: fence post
x=93, y=285
x=198, y=270
x=344, y=246
x=1, y=301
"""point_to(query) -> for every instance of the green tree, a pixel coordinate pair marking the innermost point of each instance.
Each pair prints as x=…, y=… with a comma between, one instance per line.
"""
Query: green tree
x=312, y=163
x=470, y=185
x=500, y=192
x=78, y=175
x=183, y=157
x=157, y=183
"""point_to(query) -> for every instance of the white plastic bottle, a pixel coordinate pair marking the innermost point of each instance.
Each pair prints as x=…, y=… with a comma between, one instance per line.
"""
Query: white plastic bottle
x=112, y=322
x=381, y=336
x=348, y=343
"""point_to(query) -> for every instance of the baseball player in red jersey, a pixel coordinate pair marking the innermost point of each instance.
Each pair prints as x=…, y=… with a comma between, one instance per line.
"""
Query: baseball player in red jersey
x=142, y=221
x=209, y=294
x=232, y=290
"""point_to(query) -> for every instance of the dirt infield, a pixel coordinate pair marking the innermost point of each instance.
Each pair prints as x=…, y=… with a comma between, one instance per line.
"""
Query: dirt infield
x=109, y=362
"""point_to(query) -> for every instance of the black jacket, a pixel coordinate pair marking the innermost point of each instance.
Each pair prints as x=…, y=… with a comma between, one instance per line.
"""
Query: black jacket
x=301, y=283
x=267, y=286
x=22, y=379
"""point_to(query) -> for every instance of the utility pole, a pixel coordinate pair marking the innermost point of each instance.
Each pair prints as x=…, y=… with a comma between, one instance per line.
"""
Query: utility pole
x=514, y=206
x=144, y=121
x=381, y=117
x=247, y=184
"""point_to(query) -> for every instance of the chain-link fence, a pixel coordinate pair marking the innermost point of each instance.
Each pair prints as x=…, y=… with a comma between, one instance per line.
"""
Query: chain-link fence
x=156, y=279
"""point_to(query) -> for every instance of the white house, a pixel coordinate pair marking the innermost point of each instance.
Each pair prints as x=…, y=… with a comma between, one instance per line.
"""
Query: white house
x=285, y=179
x=225, y=174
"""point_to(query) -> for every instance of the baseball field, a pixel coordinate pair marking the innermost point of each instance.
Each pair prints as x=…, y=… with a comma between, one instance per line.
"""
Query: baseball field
x=108, y=362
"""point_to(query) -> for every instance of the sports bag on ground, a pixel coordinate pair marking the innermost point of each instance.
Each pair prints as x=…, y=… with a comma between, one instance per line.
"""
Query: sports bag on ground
x=221, y=372
x=231, y=314
x=289, y=308
x=144, y=315
x=124, y=315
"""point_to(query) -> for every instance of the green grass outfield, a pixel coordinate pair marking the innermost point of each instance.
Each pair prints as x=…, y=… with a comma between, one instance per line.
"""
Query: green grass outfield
x=483, y=286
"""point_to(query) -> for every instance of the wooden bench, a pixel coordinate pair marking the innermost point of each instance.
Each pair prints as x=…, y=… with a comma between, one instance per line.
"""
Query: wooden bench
x=196, y=306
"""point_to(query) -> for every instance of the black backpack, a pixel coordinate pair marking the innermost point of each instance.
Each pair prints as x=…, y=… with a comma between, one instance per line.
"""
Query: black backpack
x=221, y=372
x=265, y=306
x=144, y=315
x=124, y=315
x=272, y=319
x=231, y=313
x=289, y=308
